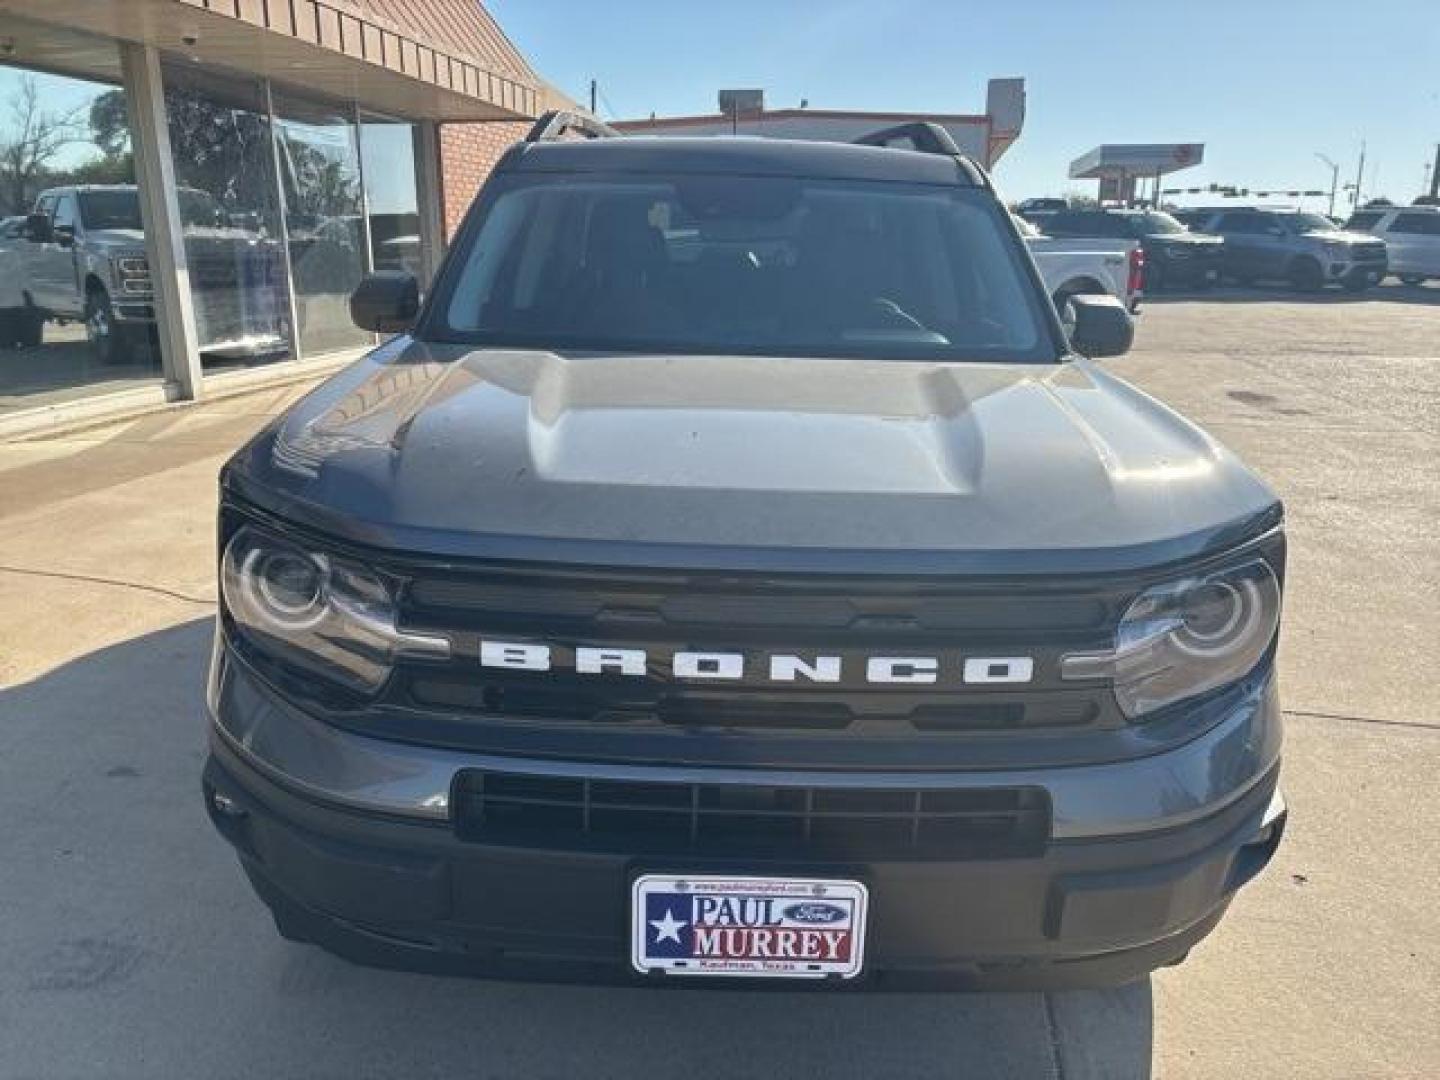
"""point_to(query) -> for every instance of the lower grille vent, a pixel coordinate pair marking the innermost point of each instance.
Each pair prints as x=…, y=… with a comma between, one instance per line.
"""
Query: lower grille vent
x=657, y=818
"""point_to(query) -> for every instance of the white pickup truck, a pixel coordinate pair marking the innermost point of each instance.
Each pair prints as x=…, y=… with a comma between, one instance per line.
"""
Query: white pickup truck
x=80, y=257
x=1081, y=266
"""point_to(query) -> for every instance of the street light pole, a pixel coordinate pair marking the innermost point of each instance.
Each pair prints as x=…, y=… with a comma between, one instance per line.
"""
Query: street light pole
x=1360, y=174
x=1334, y=181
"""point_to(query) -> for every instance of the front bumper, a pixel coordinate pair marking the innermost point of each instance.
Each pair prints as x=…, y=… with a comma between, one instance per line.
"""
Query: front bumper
x=340, y=838
x=1367, y=272
x=1191, y=268
x=132, y=312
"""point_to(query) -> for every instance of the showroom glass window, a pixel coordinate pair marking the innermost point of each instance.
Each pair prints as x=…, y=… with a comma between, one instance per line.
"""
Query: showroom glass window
x=319, y=158
x=77, y=314
x=387, y=152
x=220, y=144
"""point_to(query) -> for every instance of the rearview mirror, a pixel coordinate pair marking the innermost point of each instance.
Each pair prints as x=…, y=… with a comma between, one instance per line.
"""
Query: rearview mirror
x=37, y=228
x=1102, y=326
x=386, y=302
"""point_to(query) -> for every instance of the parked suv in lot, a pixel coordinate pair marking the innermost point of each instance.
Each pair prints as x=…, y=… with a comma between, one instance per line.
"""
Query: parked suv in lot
x=1307, y=250
x=1173, y=254
x=732, y=570
x=1412, y=239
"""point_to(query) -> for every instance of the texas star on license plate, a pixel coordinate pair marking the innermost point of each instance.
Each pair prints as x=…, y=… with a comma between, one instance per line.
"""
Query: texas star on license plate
x=797, y=928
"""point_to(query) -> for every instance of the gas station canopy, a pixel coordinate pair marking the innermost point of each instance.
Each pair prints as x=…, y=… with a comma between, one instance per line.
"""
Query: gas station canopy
x=1118, y=165
x=1118, y=161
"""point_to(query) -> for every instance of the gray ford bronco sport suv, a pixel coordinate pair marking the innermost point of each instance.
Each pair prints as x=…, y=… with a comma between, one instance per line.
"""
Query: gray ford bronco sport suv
x=731, y=570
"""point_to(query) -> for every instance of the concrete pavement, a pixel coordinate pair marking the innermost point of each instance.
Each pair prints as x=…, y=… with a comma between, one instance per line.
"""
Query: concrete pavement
x=131, y=946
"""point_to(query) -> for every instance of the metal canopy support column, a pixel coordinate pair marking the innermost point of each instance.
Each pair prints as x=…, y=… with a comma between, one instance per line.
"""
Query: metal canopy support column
x=160, y=215
x=427, y=183
x=366, y=237
x=277, y=148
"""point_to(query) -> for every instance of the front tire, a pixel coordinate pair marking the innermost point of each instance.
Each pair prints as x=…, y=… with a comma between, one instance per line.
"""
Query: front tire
x=110, y=344
x=31, y=328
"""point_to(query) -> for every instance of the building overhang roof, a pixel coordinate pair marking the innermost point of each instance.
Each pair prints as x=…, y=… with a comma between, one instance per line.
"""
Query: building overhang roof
x=332, y=47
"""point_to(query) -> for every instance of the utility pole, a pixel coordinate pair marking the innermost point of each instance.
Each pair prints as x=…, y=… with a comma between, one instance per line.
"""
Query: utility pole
x=1360, y=174
x=592, y=98
x=1334, y=182
x=1435, y=175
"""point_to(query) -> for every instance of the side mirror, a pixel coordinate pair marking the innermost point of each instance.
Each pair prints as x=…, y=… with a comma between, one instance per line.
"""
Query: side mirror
x=386, y=302
x=1102, y=326
x=37, y=228
x=64, y=235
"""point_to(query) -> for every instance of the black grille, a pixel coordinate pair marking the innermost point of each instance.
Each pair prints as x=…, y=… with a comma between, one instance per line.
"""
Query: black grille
x=759, y=616
x=570, y=700
x=643, y=818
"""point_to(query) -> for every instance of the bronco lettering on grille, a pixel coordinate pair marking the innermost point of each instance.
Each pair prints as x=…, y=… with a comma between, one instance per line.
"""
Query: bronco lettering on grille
x=778, y=667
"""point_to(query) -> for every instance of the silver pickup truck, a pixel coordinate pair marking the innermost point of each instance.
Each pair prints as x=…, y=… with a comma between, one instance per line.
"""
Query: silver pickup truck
x=81, y=257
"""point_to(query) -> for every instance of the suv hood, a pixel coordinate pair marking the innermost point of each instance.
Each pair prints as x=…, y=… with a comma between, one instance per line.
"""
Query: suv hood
x=114, y=238
x=749, y=462
x=1185, y=238
x=95, y=238
x=1339, y=236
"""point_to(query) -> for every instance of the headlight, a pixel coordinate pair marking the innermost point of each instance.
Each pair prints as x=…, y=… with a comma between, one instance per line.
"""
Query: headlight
x=1185, y=637
x=1338, y=251
x=328, y=616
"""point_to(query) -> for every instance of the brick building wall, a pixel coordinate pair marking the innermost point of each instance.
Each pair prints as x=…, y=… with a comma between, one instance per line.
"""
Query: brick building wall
x=467, y=154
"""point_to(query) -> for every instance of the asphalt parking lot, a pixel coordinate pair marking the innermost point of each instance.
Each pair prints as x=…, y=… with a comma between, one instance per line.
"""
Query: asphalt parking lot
x=130, y=945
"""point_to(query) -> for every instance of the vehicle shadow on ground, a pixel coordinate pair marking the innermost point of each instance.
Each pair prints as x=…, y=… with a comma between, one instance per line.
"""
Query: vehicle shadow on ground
x=1268, y=294
x=134, y=946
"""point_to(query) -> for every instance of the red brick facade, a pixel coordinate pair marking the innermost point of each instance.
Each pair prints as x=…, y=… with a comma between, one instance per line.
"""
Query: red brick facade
x=467, y=154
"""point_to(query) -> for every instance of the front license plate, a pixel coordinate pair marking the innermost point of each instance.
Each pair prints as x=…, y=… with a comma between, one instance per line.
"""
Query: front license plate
x=766, y=927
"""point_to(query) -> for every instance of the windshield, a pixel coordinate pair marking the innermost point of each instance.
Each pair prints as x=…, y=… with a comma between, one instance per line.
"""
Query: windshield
x=744, y=265
x=1155, y=223
x=121, y=209
x=110, y=209
x=1309, y=223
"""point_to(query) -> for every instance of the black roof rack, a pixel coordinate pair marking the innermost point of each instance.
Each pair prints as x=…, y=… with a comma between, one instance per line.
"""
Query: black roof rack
x=926, y=137
x=556, y=123
x=922, y=135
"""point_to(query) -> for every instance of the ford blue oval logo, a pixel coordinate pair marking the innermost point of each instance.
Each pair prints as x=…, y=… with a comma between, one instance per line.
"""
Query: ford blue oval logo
x=815, y=912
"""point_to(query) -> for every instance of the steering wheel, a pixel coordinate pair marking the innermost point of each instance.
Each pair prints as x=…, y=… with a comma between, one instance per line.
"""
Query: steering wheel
x=895, y=316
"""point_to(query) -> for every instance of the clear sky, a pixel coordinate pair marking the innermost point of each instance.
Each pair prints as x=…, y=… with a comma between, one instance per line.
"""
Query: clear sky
x=1265, y=84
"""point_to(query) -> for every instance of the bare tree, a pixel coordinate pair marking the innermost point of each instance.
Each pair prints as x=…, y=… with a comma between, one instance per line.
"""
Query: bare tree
x=29, y=142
